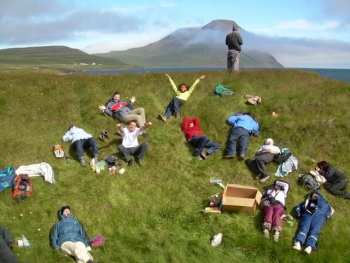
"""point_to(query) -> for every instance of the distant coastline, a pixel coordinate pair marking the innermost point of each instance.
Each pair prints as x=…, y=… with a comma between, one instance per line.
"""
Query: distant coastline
x=336, y=74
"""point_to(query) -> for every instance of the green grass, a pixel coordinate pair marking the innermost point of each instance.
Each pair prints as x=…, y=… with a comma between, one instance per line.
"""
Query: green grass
x=153, y=214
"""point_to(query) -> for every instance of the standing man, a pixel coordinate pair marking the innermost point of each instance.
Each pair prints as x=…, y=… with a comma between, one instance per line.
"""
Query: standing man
x=130, y=144
x=243, y=127
x=191, y=129
x=123, y=111
x=233, y=42
x=6, y=242
x=81, y=140
x=69, y=236
x=264, y=155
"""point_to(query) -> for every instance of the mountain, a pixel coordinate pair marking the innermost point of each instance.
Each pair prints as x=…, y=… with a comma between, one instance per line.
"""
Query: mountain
x=193, y=47
x=53, y=55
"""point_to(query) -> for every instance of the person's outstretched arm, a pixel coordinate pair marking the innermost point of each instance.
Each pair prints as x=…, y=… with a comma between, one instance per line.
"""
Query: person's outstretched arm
x=120, y=127
x=144, y=127
x=195, y=83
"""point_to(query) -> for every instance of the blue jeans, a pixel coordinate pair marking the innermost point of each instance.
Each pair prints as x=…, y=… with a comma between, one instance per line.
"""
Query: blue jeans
x=238, y=140
x=174, y=106
x=80, y=145
x=201, y=142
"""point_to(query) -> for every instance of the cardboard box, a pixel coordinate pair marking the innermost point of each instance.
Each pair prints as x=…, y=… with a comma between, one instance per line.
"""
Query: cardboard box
x=239, y=198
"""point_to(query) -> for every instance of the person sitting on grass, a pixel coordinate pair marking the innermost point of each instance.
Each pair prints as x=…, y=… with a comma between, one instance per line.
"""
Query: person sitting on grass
x=81, y=140
x=275, y=196
x=243, y=127
x=69, y=236
x=130, y=144
x=123, y=111
x=6, y=242
x=336, y=181
x=182, y=95
x=313, y=213
x=193, y=134
x=264, y=155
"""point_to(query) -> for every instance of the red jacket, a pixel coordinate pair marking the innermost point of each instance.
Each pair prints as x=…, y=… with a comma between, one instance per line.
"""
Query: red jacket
x=191, y=131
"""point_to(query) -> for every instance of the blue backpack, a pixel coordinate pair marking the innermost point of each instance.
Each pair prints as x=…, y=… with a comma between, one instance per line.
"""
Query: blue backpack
x=222, y=90
x=7, y=177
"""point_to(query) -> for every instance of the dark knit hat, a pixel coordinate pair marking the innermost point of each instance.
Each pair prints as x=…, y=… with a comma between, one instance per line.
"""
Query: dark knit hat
x=64, y=207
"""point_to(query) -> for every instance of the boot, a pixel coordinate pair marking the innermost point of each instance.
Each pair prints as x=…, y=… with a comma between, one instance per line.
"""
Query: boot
x=82, y=162
x=277, y=232
x=177, y=115
x=266, y=229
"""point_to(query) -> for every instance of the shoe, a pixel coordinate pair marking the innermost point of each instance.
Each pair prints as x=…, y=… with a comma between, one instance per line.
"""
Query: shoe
x=102, y=137
x=266, y=233
x=137, y=160
x=82, y=162
x=162, y=118
x=130, y=162
x=297, y=246
x=242, y=156
x=308, y=250
x=258, y=177
x=199, y=157
x=203, y=154
x=276, y=236
x=177, y=115
x=96, y=159
x=230, y=156
x=105, y=133
x=264, y=179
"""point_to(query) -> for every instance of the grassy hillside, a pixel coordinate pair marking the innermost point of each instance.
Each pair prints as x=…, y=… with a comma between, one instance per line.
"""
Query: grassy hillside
x=153, y=214
x=55, y=57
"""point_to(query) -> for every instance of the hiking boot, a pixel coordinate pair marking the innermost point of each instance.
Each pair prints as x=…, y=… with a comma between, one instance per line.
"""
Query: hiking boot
x=264, y=179
x=308, y=250
x=162, y=118
x=130, y=162
x=82, y=162
x=297, y=246
x=203, y=154
x=102, y=137
x=137, y=160
x=230, y=156
x=266, y=233
x=276, y=236
x=258, y=177
x=105, y=133
x=242, y=156
x=177, y=115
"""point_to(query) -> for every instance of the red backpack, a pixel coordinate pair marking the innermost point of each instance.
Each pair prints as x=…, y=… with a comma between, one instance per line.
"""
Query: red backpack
x=22, y=187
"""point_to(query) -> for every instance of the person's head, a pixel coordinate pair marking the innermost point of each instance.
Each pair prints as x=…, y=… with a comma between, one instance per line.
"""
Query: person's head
x=314, y=195
x=235, y=28
x=65, y=210
x=132, y=125
x=116, y=96
x=183, y=87
x=269, y=141
x=191, y=124
x=322, y=164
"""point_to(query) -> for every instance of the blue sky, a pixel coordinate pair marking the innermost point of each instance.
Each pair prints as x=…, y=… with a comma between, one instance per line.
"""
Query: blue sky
x=318, y=29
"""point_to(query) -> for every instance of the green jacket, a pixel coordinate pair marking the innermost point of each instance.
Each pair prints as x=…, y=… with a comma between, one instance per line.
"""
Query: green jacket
x=183, y=95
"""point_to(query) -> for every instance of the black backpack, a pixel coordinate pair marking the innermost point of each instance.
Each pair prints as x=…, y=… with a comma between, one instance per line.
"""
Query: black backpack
x=308, y=181
x=282, y=157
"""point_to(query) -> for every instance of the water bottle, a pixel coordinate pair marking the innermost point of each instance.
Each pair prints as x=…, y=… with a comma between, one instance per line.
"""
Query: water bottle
x=92, y=162
x=216, y=240
x=25, y=241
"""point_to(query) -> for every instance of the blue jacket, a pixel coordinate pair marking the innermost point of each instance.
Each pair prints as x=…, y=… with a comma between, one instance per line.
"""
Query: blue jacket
x=243, y=121
x=68, y=229
x=118, y=109
x=323, y=208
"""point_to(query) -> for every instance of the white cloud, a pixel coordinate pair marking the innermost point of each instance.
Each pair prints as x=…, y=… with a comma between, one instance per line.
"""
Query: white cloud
x=302, y=24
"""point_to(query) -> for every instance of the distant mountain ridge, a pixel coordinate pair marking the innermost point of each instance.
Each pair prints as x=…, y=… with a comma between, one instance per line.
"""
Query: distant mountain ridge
x=193, y=47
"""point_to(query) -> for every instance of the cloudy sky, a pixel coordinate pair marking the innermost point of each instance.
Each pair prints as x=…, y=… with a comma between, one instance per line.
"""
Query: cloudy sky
x=298, y=33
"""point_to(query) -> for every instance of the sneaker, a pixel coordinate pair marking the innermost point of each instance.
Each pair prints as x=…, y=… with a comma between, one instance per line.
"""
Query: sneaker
x=203, y=154
x=258, y=177
x=199, y=157
x=82, y=162
x=162, y=118
x=230, y=156
x=308, y=250
x=105, y=133
x=96, y=159
x=276, y=236
x=242, y=156
x=177, y=115
x=130, y=162
x=266, y=233
x=264, y=179
x=137, y=160
x=297, y=245
x=102, y=137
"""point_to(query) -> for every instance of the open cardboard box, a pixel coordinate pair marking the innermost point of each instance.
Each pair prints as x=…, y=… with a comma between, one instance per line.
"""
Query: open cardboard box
x=239, y=198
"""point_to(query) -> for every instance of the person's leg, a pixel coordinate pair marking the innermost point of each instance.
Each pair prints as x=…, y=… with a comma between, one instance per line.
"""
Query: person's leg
x=198, y=142
x=139, y=151
x=278, y=211
x=251, y=164
x=231, y=146
x=136, y=117
x=91, y=142
x=78, y=145
x=337, y=188
x=77, y=250
x=170, y=109
x=177, y=105
x=212, y=147
x=236, y=62
x=7, y=255
x=268, y=214
x=261, y=160
x=243, y=140
x=125, y=152
x=229, y=64
x=315, y=230
x=303, y=229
